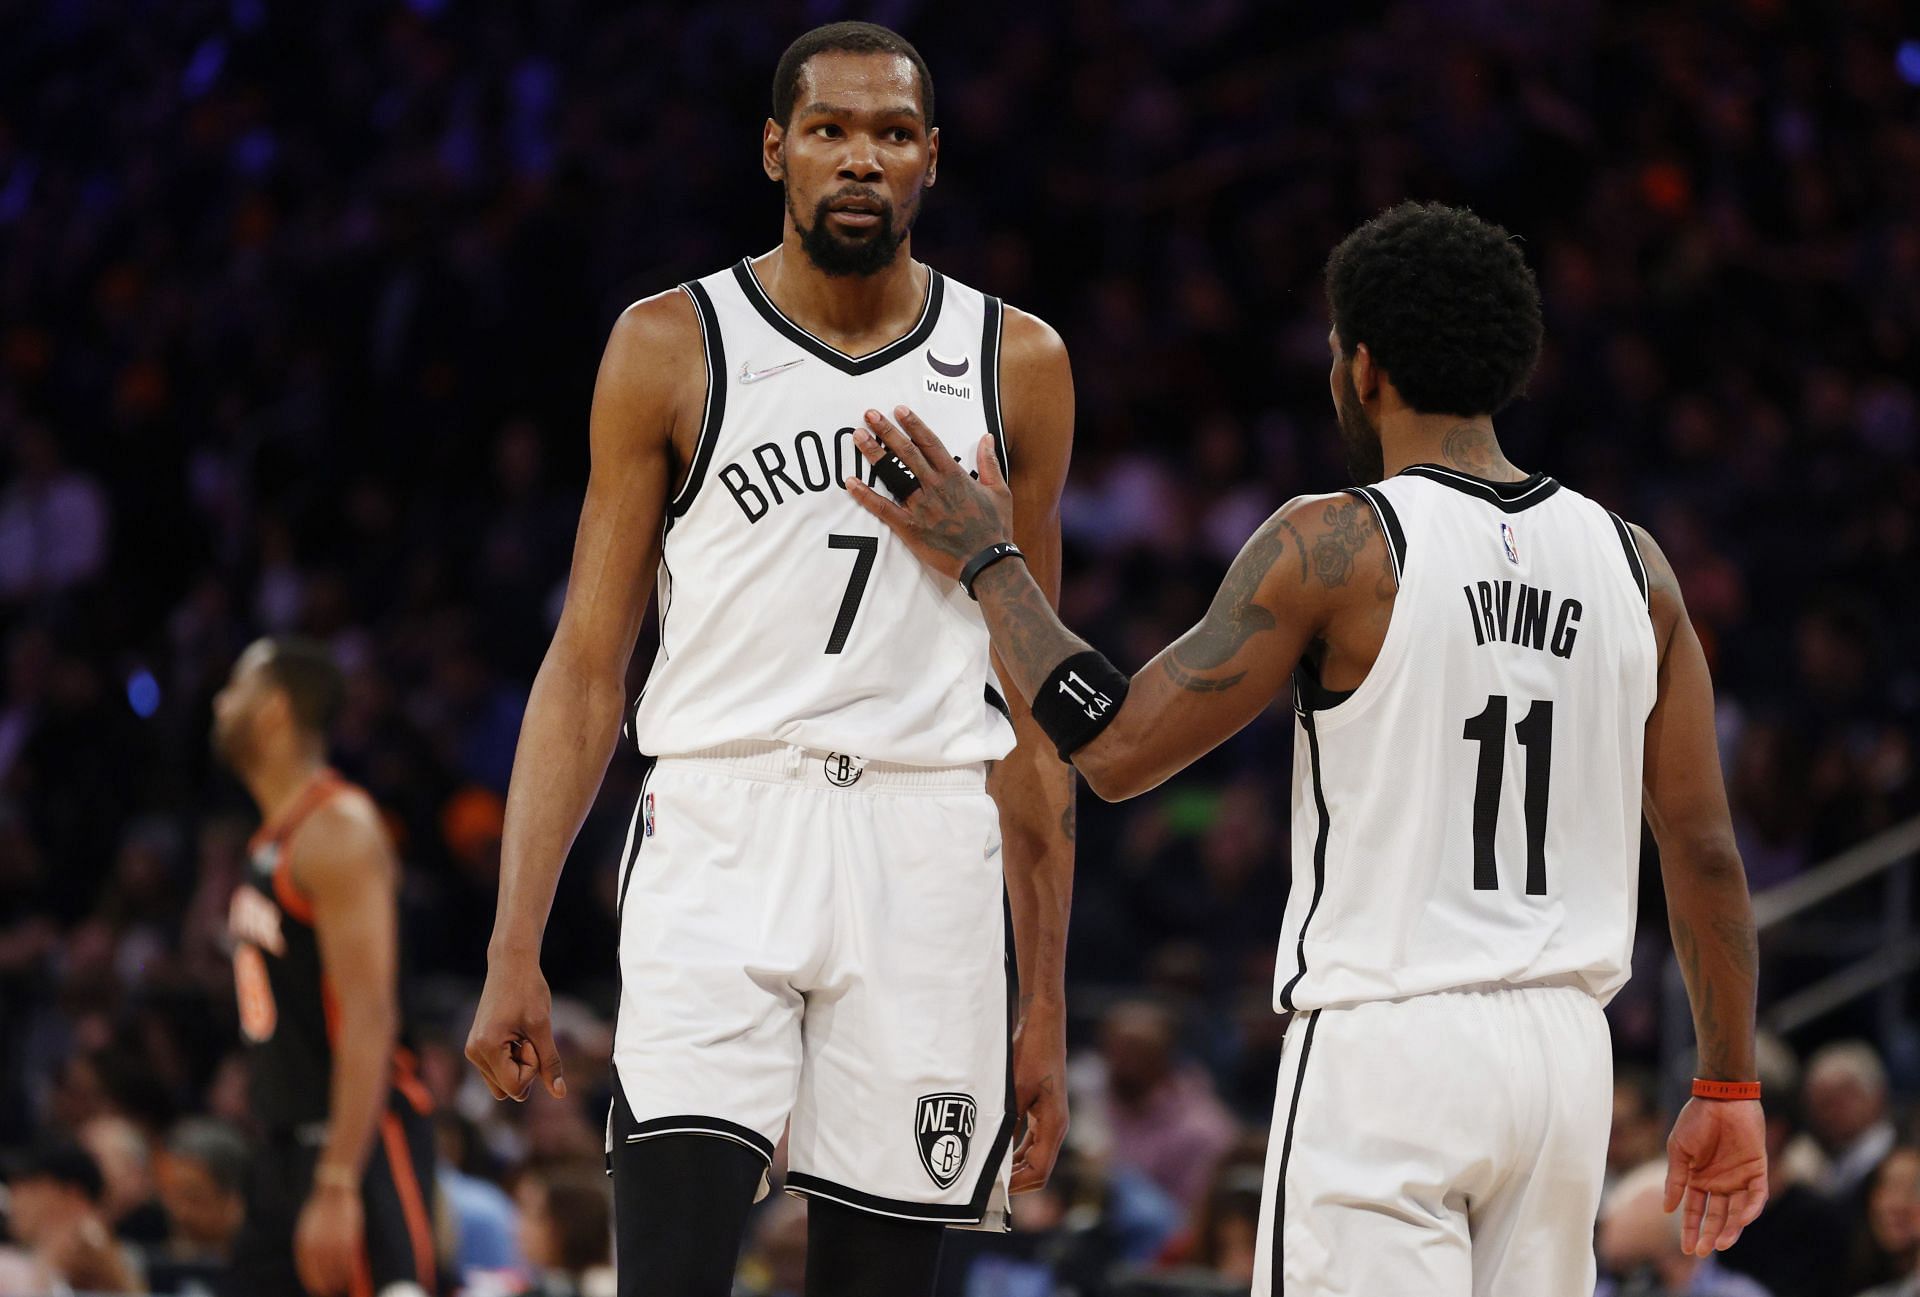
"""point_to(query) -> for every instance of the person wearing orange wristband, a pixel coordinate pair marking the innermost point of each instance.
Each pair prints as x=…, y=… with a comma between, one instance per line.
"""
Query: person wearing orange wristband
x=1493, y=677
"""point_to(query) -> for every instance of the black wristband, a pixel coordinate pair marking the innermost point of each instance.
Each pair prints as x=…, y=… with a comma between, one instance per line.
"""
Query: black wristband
x=1079, y=699
x=985, y=559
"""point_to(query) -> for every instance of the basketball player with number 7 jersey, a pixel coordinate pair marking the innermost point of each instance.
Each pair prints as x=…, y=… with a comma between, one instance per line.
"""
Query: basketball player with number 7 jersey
x=1492, y=675
x=797, y=954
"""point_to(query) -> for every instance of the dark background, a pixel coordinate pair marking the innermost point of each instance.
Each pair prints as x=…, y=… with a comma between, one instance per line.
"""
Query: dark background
x=300, y=308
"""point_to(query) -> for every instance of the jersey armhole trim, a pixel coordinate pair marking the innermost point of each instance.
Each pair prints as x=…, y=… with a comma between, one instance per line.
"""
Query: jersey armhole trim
x=715, y=408
x=990, y=334
x=1635, y=563
x=1390, y=530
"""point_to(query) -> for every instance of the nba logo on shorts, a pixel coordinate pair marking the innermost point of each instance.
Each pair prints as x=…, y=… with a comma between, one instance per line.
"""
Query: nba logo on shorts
x=647, y=807
x=1510, y=543
x=944, y=1126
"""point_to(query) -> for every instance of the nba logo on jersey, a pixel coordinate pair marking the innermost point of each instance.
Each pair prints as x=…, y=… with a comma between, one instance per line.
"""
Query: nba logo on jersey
x=648, y=811
x=1510, y=543
x=944, y=1124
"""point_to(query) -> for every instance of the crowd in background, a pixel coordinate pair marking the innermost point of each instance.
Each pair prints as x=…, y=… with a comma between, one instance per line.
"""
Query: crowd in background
x=300, y=308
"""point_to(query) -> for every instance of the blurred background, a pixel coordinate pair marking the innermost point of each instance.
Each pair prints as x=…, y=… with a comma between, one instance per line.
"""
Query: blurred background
x=300, y=308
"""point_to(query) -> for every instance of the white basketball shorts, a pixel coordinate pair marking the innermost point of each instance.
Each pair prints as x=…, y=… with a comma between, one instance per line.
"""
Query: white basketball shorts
x=807, y=936
x=1447, y=1145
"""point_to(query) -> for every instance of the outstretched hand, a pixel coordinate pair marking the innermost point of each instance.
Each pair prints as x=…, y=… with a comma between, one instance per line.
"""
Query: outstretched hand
x=1717, y=1166
x=951, y=517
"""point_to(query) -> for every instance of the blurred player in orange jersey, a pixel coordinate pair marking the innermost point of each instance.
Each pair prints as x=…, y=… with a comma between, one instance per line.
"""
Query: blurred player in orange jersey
x=337, y=1200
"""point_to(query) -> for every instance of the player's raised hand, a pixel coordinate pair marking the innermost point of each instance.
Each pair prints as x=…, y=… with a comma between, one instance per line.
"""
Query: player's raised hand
x=511, y=1043
x=1717, y=1166
x=949, y=517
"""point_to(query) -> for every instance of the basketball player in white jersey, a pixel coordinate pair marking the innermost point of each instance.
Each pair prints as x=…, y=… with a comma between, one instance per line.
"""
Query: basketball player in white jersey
x=794, y=944
x=1492, y=677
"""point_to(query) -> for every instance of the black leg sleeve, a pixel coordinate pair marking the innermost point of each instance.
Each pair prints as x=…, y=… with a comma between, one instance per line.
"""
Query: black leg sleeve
x=680, y=1207
x=853, y=1253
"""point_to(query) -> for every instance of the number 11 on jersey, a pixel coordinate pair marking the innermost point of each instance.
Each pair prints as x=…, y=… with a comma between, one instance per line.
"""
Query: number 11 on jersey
x=1535, y=732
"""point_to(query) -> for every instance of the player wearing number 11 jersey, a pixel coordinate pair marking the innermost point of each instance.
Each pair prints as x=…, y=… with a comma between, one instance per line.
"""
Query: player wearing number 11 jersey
x=1492, y=675
x=798, y=954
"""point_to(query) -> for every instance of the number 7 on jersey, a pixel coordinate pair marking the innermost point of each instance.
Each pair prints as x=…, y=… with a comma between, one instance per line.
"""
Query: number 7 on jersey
x=865, y=547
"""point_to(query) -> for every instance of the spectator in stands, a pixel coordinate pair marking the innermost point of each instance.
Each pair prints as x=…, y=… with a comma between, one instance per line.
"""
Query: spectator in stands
x=1886, y=1236
x=54, y=1211
x=1797, y=1245
x=1908, y=1284
x=1639, y=1244
x=53, y=521
x=1846, y=1105
x=202, y=1175
x=128, y=1203
x=1639, y=1131
x=566, y=1230
x=486, y=1224
x=1164, y=1117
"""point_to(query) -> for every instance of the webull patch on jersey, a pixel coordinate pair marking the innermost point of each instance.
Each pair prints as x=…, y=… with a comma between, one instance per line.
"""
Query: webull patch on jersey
x=947, y=387
x=943, y=1125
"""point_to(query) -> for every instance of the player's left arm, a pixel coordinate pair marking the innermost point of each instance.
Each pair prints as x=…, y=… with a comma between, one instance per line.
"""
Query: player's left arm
x=343, y=861
x=1032, y=787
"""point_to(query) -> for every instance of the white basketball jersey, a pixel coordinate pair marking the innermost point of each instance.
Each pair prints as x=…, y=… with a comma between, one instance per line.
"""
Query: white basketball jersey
x=787, y=612
x=1471, y=813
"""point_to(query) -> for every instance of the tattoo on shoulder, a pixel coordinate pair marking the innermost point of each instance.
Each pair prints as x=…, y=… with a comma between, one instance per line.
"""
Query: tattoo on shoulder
x=1233, y=619
x=1299, y=543
x=1347, y=526
x=1070, y=819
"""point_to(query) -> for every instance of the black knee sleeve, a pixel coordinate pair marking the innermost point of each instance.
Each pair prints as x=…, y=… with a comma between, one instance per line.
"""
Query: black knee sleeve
x=854, y=1253
x=680, y=1207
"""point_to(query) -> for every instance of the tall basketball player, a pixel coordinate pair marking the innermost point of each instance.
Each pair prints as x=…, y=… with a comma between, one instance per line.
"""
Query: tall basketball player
x=1492, y=677
x=338, y=1200
x=796, y=953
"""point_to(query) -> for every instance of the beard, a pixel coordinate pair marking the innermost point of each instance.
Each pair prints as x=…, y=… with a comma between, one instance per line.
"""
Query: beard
x=836, y=254
x=1366, y=460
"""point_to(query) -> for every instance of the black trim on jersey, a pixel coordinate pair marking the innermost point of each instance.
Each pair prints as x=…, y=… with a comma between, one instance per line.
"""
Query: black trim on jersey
x=999, y=704
x=990, y=378
x=1311, y=695
x=1508, y=497
x=813, y=1186
x=1286, y=1154
x=1319, y=855
x=1634, y=561
x=639, y=823
x=929, y=316
x=1389, y=526
x=718, y=1127
x=716, y=406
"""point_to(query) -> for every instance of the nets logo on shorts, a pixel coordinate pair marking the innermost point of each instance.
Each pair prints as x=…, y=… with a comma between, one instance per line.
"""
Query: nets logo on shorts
x=844, y=771
x=943, y=1124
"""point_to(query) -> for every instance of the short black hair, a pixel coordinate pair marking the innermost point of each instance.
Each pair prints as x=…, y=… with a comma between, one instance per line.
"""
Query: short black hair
x=306, y=670
x=845, y=38
x=1445, y=303
x=215, y=1145
x=64, y=1163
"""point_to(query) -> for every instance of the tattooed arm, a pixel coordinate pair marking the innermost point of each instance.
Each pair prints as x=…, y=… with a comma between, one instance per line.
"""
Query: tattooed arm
x=1716, y=1156
x=1298, y=570
x=1686, y=803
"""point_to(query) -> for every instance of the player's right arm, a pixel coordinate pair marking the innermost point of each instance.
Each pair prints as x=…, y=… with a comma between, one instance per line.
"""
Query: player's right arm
x=653, y=367
x=1716, y=1157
